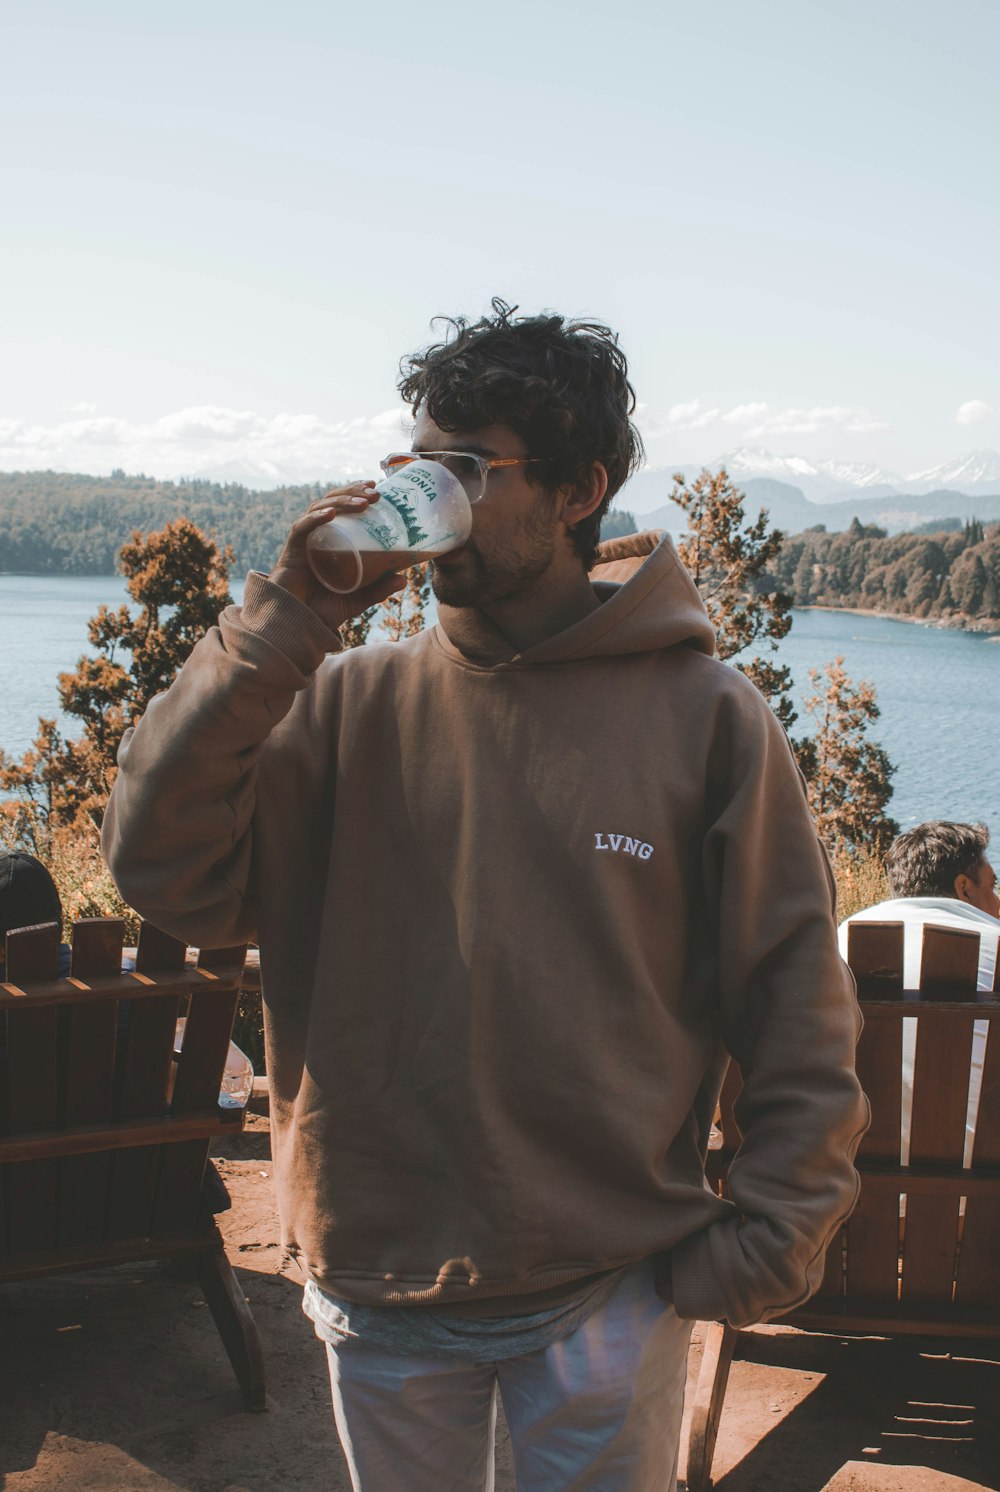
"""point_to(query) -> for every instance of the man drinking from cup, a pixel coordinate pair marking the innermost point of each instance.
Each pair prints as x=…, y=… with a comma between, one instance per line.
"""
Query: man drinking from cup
x=521, y=884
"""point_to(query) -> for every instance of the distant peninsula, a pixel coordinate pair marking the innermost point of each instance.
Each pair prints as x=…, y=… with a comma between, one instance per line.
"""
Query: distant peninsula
x=949, y=576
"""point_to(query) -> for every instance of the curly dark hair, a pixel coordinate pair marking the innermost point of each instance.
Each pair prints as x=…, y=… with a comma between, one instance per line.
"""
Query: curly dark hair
x=561, y=385
x=926, y=861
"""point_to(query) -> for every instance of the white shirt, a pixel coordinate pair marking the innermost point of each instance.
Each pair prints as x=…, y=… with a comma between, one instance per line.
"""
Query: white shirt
x=915, y=913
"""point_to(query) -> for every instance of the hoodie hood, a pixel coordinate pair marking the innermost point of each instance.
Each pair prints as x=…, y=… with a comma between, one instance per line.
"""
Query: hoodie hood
x=648, y=602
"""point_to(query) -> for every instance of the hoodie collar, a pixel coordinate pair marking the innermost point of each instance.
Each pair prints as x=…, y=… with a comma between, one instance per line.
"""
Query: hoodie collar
x=648, y=601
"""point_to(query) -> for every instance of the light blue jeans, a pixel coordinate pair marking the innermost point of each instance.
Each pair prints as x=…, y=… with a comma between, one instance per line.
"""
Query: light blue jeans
x=599, y=1411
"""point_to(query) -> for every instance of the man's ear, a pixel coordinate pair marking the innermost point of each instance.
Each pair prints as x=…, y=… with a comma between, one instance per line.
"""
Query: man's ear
x=962, y=884
x=584, y=497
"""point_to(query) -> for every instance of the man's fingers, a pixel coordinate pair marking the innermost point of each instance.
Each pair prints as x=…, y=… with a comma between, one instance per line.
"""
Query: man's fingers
x=338, y=494
x=326, y=510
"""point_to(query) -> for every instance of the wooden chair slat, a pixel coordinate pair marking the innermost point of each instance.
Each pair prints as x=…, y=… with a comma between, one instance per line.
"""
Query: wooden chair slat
x=32, y=953
x=978, y=1281
x=32, y=1035
x=145, y=1067
x=32, y=1057
x=880, y=1073
x=930, y=1249
x=158, y=952
x=182, y=1170
x=132, y=1192
x=875, y=954
x=164, y=1130
x=873, y=1248
x=84, y=1185
x=937, y=1130
x=222, y=958
x=949, y=964
x=4, y=1082
x=85, y=1180
x=97, y=946
x=147, y=1046
x=200, y=1067
x=90, y=1063
x=941, y=1087
x=32, y=1200
x=31, y=1190
x=986, y=1147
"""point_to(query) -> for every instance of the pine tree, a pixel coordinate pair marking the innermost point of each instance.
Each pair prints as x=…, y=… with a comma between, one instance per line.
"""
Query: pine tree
x=178, y=578
x=848, y=777
x=727, y=557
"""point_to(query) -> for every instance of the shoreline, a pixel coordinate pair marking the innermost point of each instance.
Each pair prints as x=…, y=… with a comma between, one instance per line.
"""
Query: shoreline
x=981, y=627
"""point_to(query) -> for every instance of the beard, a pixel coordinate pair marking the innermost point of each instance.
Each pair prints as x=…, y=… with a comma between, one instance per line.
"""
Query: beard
x=500, y=569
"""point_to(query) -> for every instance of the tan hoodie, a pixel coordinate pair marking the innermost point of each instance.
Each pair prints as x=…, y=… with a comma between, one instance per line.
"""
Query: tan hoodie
x=513, y=911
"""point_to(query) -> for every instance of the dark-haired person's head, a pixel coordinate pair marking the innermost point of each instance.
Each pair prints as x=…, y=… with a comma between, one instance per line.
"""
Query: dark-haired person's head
x=28, y=894
x=944, y=859
x=555, y=395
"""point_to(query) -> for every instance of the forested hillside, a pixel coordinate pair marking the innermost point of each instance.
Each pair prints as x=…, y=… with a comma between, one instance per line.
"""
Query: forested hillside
x=62, y=524
x=949, y=575
x=56, y=523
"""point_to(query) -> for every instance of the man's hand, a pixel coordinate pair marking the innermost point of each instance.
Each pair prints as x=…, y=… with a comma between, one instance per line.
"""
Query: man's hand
x=292, y=571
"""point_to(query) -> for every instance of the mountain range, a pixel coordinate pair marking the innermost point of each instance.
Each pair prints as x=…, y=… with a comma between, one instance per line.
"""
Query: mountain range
x=834, y=481
x=798, y=493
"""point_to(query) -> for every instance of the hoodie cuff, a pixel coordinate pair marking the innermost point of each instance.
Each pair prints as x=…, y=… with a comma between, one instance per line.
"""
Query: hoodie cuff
x=289, y=625
x=695, y=1287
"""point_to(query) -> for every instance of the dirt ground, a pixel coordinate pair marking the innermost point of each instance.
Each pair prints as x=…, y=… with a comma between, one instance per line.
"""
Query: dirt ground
x=118, y=1382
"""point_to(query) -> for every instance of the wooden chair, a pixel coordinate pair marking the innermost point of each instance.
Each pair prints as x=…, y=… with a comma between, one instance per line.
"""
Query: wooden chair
x=926, y=1265
x=104, y=1133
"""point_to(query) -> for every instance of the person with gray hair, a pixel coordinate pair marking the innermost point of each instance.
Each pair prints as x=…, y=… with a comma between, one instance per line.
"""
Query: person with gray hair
x=939, y=875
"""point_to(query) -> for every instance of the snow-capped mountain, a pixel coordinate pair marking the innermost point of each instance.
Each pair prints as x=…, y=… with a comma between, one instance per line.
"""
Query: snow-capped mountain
x=860, y=474
x=818, y=480
x=825, y=481
x=979, y=471
x=755, y=461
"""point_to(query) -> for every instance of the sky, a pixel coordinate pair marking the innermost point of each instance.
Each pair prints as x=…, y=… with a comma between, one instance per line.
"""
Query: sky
x=224, y=223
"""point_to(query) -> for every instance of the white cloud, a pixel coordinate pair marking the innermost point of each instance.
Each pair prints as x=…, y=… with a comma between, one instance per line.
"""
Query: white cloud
x=286, y=446
x=757, y=420
x=971, y=411
x=691, y=416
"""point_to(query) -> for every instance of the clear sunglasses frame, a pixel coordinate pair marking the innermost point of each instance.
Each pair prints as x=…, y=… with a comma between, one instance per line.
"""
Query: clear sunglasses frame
x=396, y=460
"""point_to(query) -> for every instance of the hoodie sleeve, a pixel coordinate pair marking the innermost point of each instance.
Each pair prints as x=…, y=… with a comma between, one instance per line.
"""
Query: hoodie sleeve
x=177, y=834
x=789, y=1016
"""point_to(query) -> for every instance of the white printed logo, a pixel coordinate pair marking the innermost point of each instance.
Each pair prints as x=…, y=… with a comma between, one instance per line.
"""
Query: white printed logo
x=621, y=844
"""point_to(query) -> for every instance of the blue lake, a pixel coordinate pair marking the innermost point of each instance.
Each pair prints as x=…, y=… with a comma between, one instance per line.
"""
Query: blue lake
x=939, y=691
